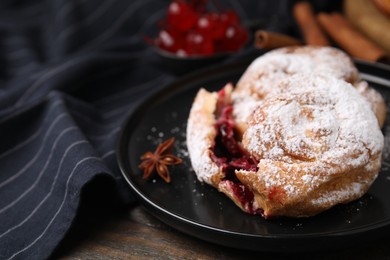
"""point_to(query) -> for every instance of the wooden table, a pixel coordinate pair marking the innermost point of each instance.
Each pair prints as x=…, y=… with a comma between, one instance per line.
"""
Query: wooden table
x=106, y=231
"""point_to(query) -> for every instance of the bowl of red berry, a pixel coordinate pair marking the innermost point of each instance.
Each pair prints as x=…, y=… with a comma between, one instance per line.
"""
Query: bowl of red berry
x=191, y=36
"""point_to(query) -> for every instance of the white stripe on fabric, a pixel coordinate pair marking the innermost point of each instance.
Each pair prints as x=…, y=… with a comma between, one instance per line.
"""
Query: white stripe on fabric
x=112, y=113
x=152, y=20
x=99, y=11
x=42, y=77
x=119, y=177
x=46, y=76
x=102, y=125
x=65, y=131
x=31, y=138
x=102, y=137
x=108, y=154
x=51, y=189
x=117, y=24
x=21, y=111
x=27, y=166
x=58, y=210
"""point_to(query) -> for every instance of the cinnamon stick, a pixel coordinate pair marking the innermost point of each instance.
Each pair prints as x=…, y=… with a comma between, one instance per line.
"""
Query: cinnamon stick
x=383, y=6
x=308, y=25
x=271, y=40
x=349, y=38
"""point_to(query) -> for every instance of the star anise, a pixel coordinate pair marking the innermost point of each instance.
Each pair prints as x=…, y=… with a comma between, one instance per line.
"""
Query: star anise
x=159, y=161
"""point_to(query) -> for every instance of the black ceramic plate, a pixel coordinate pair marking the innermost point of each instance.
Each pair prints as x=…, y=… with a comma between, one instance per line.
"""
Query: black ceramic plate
x=201, y=211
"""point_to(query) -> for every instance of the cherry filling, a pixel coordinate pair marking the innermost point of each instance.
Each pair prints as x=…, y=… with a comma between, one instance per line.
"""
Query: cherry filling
x=230, y=155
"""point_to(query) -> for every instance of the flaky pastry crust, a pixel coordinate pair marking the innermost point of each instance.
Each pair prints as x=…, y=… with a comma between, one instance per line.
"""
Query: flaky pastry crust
x=260, y=80
x=317, y=146
x=317, y=142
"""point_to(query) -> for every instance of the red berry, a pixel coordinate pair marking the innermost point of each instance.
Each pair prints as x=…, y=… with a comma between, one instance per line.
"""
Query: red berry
x=228, y=18
x=205, y=25
x=169, y=40
x=235, y=37
x=232, y=17
x=190, y=30
x=198, y=44
x=219, y=28
x=181, y=15
x=210, y=25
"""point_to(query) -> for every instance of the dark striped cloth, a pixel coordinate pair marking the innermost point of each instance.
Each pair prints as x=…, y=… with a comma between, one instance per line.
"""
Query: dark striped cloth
x=70, y=71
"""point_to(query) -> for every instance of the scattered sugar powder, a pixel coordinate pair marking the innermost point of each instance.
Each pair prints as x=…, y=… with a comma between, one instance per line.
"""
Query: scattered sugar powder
x=156, y=136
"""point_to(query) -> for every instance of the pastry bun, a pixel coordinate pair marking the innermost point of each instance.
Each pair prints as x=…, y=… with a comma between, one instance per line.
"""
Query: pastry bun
x=305, y=141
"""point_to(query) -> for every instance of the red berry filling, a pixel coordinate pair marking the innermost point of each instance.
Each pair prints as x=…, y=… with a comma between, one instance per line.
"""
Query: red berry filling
x=229, y=154
x=189, y=29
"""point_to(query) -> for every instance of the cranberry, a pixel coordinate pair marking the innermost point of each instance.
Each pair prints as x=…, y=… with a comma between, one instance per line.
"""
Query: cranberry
x=205, y=24
x=191, y=30
x=210, y=25
x=234, y=38
x=169, y=40
x=226, y=131
x=219, y=29
x=225, y=20
x=198, y=44
x=245, y=197
x=181, y=15
x=230, y=17
x=242, y=193
x=227, y=150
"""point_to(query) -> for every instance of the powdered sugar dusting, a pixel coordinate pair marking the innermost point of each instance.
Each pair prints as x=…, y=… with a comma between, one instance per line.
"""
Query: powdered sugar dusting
x=322, y=125
x=264, y=73
x=309, y=121
x=333, y=196
x=262, y=77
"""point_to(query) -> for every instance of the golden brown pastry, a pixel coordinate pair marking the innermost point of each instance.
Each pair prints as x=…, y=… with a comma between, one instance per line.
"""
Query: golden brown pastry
x=318, y=145
x=261, y=78
x=304, y=151
x=264, y=72
x=201, y=134
x=375, y=100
